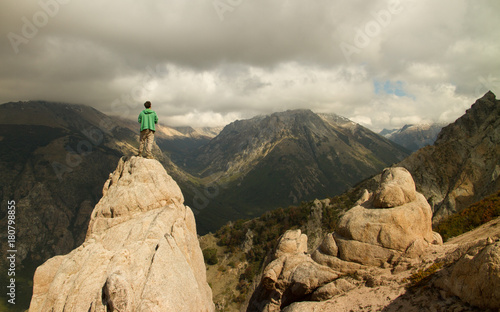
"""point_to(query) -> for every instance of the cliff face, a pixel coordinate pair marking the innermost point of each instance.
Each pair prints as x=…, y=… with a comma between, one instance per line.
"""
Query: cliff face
x=463, y=165
x=141, y=252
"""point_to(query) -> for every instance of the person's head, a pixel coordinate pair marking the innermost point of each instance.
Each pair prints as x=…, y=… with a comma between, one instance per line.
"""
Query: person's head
x=147, y=104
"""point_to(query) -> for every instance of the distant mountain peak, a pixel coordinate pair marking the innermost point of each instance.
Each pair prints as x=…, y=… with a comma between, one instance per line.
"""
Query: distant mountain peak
x=489, y=96
x=414, y=136
x=386, y=132
x=295, y=111
x=335, y=119
x=291, y=115
x=474, y=119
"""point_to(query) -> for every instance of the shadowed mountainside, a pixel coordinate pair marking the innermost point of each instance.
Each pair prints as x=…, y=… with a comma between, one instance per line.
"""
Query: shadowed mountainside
x=463, y=165
x=285, y=158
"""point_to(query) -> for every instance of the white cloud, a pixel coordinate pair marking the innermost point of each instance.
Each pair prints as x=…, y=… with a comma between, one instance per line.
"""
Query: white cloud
x=197, y=119
x=426, y=72
x=262, y=57
x=362, y=120
x=391, y=111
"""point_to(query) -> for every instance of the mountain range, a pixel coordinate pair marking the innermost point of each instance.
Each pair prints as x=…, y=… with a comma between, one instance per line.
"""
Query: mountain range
x=55, y=157
x=458, y=173
x=282, y=159
x=414, y=136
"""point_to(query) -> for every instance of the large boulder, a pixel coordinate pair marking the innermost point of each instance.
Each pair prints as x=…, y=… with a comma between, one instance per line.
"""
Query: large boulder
x=475, y=277
x=386, y=223
x=292, y=242
x=394, y=228
x=364, y=253
x=141, y=252
x=396, y=188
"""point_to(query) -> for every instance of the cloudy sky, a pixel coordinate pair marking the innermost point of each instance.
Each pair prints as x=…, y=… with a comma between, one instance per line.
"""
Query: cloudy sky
x=382, y=63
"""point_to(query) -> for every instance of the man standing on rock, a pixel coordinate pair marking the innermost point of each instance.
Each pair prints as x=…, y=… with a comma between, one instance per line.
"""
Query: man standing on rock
x=147, y=119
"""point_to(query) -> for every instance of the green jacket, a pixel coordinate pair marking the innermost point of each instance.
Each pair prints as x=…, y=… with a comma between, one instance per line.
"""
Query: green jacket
x=148, y=119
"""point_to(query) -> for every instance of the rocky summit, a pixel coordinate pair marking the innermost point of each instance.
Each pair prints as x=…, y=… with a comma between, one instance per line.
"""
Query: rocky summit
x=141, y=252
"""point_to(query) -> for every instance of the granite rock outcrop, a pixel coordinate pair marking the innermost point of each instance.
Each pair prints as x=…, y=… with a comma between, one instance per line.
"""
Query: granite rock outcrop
x=386, y=223
x=387, y=229
x=475, y=276
x=383, y=249
x=141, y=252
x=291, y=276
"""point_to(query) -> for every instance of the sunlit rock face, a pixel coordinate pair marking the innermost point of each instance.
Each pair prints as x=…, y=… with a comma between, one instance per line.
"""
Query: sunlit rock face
x=141, y=252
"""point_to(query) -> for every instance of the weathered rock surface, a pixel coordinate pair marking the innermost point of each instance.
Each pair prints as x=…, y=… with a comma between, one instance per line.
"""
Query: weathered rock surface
x=141, y=252
x=332, y=289
x=292, y=242
x=396, y=188
x=475, y=277
x=467, y=279
x=368, y=238
x=387, y=223
x=291, y=276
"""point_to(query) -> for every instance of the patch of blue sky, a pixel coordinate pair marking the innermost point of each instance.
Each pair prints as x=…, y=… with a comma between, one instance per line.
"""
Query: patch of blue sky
x=391, y=87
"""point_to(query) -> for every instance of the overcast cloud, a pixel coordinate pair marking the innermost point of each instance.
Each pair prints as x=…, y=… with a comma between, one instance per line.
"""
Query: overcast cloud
x=381, y=63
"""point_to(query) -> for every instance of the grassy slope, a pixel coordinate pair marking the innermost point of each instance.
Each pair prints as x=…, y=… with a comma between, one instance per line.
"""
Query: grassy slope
x=470, y=218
